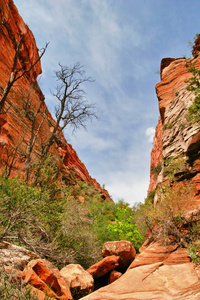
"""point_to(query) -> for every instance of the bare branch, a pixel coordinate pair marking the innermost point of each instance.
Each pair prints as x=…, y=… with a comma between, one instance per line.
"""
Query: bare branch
x=73, y=108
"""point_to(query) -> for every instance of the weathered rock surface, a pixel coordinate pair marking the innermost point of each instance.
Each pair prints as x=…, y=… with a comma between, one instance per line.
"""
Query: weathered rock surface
x=156, y=253
x=176, y=139
x=153, y=282
x=15, y=126
x=80, y=282
x=45, y=277
x=15, y=256
x=156, y=155
x=123, y=249
x=104, y=266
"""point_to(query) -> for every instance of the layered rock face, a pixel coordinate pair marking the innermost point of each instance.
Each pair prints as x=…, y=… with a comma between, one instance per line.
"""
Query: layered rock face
x=22, y=103
x=175, y=151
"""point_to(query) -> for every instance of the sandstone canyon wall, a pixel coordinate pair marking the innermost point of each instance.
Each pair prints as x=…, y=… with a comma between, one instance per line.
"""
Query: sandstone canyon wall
x=175, y=154
x=15, y=122
x=163, y=269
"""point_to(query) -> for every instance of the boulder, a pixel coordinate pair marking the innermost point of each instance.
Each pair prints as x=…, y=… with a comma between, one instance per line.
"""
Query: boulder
x=123, y=249
x=155, y=281
x=80, y=282
x=104, y=266
x=45, y=277
x=114, y=275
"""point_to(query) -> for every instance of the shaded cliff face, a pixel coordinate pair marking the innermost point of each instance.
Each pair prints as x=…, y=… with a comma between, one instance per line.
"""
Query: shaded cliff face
x=176, y=149
x=23, y=101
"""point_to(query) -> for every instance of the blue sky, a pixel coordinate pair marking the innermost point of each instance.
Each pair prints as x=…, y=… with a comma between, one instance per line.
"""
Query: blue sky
x=120, y=43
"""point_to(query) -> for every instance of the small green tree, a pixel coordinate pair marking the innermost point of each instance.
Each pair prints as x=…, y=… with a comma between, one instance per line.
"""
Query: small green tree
x=123, y=228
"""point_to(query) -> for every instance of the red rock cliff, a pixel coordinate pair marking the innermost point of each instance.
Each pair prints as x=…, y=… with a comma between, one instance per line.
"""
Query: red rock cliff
x=177, y=141
x=15, y=125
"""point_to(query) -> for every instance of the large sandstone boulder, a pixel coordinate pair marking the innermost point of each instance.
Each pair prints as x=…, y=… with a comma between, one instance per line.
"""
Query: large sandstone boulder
x=45, y=277
x=80, y=282
x=123, y=249
x=104, y=266
x=153, y=282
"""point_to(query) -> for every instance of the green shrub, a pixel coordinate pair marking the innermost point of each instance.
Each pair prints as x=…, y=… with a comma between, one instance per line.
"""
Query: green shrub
x=123, y=228
x=12, y=288
x=168, y=126
x=193, y=254
x=194, y=86
x=156, y=170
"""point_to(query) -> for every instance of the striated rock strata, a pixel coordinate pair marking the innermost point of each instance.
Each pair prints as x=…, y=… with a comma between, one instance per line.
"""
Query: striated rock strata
x=175, y=150
x=15, y=124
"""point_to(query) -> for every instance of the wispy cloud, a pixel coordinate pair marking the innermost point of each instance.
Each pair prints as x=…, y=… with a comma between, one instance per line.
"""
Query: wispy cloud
x=120, y=43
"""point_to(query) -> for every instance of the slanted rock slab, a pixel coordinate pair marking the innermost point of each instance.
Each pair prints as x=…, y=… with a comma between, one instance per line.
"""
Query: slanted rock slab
x=150, y=282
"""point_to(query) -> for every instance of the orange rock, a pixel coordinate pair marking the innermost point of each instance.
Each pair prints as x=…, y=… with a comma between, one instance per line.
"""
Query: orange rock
x=153, y=282
x=45, y=277
x=104, y=266
x=114, y=275
x=123, y=249
x=40, y=294
x=158, y=253
x=179, y=256
x=156, y=154
x=196, y=47
x=173, y=80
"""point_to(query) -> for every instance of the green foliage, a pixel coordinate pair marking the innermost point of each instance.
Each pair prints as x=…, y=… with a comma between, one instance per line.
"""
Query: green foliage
x=50, y=219
x=156, y=170
x=194, y=254
x=123, y=228
x=168, y=126
x=194, y=86
x=174, y=164
x=11, y=288
x=150, y=197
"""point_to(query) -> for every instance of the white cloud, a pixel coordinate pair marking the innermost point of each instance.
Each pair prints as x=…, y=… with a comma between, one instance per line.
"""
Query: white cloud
x=150, y=131
x=128, y=186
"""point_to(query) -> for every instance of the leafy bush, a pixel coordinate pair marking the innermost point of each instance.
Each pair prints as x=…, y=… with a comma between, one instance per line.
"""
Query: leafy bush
x=48, y=217
x=123, y=228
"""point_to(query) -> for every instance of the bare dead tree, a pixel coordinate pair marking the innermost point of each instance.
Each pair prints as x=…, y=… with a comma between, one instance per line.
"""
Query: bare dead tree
x=16, y=72
x=73, y=108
